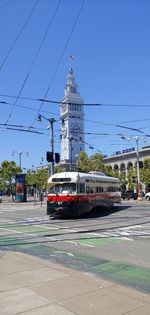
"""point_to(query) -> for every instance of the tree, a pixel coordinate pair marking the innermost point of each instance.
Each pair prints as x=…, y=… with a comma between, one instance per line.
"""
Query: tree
x=37, y=179
x=84, y=163
x=96, y=162
x=123, y=181
x=145, y=172
x=8, y=171
x=59, y=169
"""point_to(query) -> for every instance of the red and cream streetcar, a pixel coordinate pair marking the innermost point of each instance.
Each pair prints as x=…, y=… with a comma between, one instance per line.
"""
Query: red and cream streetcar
x=72, y=194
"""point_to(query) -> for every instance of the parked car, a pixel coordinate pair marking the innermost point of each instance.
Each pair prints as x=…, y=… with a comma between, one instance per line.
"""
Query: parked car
x=128, y=194
x=147, y=196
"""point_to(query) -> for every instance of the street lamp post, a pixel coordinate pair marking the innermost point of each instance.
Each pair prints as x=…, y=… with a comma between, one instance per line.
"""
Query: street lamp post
x=139, y=197
x=20, y=156
x=71, y=149
x=51, y=123
x=76, y=165
x=138, y=169
x=52, y=120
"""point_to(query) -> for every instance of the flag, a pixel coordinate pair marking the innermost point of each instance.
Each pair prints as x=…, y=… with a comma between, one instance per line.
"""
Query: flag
x=72, y=57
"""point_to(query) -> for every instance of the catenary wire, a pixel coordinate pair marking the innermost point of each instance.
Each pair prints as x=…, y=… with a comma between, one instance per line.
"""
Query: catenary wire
x=34, y=59
x=27, y=107
x=47, y=112
x=84, y=104
x=4, y=5
x=61, y=57
x=99, y=122
x=23, y=130
x=20, y=32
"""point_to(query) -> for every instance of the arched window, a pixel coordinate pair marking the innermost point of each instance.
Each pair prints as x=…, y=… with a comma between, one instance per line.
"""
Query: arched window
x=130, y=166
x=116, y=168
x=122, y=168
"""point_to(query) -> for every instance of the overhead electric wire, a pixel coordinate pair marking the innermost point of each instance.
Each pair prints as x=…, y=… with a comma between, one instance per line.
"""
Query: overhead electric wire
x=27, y=107
x=135, y=120
x=34, y=59
x=68, y=103
x=61, y=57
x=47, y=112
x=21, y=30
x=99, y=122
x=4, y=5
x=25, y=127
x=23, y=130
x=84, y=142
x=100, y=134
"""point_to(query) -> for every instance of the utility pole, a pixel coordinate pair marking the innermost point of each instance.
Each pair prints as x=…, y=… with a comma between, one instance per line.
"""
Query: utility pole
x=139, y=192
x=51, y=123
x=71, y=149
x=138, y=169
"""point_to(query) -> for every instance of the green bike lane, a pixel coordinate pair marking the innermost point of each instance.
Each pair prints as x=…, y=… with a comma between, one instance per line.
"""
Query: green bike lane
x=80, y=253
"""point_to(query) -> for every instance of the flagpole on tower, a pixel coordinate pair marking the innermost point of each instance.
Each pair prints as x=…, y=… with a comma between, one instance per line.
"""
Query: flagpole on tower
x=71, y=58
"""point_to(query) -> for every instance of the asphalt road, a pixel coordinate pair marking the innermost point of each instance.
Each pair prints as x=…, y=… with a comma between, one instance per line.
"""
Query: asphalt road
x=112, y=244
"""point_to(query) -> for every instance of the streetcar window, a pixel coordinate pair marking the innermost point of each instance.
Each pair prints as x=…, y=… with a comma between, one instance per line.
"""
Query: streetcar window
x=55, y=189
x=82, y=188
x=93, y=190
x=110, y=189
x=61, y=180
x=68, y=188
x=87, y=190
x=63, y=189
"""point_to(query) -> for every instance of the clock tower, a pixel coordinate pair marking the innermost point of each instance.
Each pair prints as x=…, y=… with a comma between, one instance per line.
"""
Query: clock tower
x=72, y=122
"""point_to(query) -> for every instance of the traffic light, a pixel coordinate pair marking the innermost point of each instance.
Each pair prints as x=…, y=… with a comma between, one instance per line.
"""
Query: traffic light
x=145, y=164
x=134, y=179
x=140, y=164
x=49, y=156
x=57, y=157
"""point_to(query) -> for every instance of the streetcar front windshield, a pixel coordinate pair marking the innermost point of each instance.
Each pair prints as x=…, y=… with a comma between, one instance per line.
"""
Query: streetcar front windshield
x=65, y=188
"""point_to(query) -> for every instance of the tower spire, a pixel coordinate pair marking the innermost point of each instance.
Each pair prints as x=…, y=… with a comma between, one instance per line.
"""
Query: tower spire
x=71, y=59
x=72, y=120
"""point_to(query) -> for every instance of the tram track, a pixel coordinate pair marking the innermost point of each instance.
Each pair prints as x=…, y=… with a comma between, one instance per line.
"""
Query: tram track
x=34, y=237
x=57, y=224
x=59, y=221
x=42, y=230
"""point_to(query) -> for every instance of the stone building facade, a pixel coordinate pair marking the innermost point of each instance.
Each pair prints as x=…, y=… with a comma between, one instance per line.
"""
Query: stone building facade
x=72, y=123
x=122, y=162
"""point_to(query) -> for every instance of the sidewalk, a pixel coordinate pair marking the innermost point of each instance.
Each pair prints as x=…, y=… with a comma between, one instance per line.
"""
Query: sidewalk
x=32, y=200
x=30, y=285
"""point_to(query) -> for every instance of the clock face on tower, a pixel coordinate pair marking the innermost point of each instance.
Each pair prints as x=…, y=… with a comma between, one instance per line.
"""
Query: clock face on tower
x=75, y=129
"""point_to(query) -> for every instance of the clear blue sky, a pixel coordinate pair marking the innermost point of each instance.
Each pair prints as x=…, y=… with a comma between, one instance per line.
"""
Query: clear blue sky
x=110, y=42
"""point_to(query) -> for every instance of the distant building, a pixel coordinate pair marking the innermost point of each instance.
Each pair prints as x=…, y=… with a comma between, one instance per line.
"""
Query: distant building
x=121, y=162
x=72, y=123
